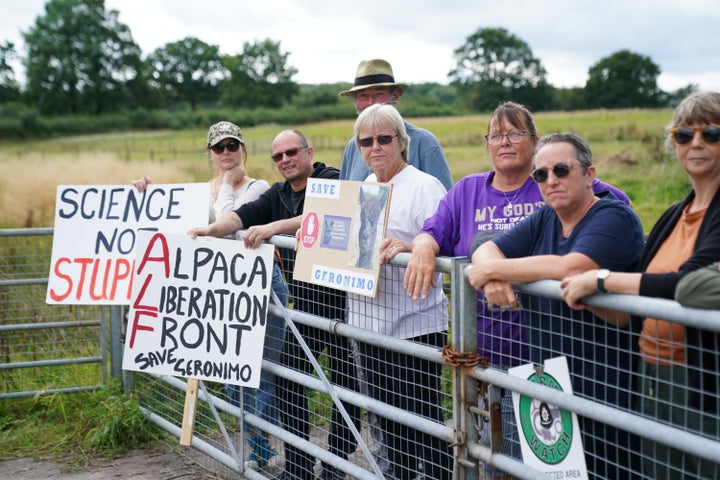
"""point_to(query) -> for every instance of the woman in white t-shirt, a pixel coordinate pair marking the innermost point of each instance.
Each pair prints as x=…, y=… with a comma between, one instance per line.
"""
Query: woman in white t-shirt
x=399, y=379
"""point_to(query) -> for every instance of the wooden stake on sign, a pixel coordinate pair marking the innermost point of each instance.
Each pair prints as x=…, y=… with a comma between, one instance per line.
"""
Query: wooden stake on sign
x=188, y=421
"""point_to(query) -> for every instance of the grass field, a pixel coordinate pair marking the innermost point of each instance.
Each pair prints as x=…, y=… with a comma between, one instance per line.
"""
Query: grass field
x=627, y=146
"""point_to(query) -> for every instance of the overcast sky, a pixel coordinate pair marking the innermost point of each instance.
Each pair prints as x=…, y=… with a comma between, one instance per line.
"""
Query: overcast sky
x=327, y=38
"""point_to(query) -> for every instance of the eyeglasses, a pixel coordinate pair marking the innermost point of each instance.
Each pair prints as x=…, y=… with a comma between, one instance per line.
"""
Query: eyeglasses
x=561, y=170
x=515, y=136
x=684, y=135
x=290, y=152
x=232, y=146
x=381, y=139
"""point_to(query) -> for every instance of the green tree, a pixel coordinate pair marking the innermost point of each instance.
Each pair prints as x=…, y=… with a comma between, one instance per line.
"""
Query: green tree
x=623, y=80
x=672, y=99
x=188, y=70
x=430, y=99
x=317, y=95
x=81, y=59
x=572, y=98
x=259, y=77
x=9, y=87
x=493, y=66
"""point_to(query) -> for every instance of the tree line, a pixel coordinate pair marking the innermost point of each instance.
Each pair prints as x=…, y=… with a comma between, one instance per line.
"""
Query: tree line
x=82, y=63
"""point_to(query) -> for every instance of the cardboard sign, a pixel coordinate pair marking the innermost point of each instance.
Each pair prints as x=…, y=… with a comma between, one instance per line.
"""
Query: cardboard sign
x=199, y=308
x=343, y=225
x=95, y=234
x=549, y=436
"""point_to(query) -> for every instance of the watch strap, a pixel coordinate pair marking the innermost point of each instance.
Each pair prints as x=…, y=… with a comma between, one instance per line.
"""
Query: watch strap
x=601, y=276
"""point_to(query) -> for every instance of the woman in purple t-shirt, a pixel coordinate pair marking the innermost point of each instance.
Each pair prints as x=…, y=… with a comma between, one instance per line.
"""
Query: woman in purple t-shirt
x=477, y=207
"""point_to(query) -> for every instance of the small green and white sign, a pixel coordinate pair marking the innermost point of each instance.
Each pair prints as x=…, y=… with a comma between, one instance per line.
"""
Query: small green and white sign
x=549, y=436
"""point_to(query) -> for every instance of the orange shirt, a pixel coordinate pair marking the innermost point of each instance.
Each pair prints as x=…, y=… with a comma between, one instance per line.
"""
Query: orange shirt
x=663, y=342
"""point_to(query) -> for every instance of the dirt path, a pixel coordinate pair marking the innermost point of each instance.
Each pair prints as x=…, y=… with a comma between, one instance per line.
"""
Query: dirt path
x=161, y=461
x=156, y=463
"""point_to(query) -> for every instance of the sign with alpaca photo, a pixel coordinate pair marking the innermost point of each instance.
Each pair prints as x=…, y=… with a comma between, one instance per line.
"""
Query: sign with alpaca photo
x=343, y=224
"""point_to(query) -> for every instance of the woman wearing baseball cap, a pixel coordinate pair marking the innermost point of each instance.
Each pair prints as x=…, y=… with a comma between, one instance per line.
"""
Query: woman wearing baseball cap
x=230, y=188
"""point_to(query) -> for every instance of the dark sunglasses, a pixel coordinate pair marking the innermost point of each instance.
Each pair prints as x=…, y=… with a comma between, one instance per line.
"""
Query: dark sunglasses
x=290, y=152
x=381, y=139
x=232, y=146
x=561, y=170
x=684, y=135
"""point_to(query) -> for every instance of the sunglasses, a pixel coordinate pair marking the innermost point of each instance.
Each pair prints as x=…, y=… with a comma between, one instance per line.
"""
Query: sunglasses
x=232, y=146
x=381, y=139
x=561, y=170
x=290, y=152
x=684, y=135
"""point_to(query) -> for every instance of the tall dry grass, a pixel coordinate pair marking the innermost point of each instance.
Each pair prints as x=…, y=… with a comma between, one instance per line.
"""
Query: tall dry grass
x=28, y=184
x=626, y=144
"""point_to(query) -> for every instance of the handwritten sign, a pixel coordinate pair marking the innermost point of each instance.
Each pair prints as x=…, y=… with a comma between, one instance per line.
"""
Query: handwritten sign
x=96, y=230
x=199, y=308
x=343, y=225
x=549, y=436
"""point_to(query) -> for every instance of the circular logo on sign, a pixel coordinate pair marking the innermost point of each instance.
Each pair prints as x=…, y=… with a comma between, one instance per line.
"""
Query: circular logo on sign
x=309, y=230
x=546, y=428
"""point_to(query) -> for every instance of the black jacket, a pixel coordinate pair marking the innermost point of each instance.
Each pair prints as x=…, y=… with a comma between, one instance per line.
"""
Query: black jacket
x=706, y=251
x=703, y=352
x=277, y=204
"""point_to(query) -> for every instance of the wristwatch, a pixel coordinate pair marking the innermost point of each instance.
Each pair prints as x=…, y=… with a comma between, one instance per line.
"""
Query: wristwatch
x=602, y=275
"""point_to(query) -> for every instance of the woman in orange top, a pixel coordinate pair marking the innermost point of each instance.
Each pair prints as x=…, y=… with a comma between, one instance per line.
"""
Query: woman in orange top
x=678, y=368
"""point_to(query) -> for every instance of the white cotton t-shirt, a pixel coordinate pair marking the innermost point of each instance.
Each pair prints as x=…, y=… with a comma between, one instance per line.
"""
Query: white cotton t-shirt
x=415, y=196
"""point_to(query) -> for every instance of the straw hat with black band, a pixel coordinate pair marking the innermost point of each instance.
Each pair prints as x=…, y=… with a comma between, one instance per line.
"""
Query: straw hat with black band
x=374, y=73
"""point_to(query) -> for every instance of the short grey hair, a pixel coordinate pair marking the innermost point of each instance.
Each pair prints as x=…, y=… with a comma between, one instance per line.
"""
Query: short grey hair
x=377, y=116
x=582, y=149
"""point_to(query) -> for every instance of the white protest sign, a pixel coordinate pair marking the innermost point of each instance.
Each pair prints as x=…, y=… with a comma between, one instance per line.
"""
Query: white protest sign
x=549, y=436
x=95, y=233
x=199, y=308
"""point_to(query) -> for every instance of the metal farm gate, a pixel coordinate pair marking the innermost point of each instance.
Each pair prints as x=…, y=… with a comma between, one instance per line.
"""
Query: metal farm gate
x=70, y=349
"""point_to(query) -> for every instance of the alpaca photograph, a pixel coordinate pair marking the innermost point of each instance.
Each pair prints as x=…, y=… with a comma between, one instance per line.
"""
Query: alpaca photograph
x=371, y=204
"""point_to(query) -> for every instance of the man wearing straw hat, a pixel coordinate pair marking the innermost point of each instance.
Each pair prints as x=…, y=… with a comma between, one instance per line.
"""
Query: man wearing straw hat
x=375, y=83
